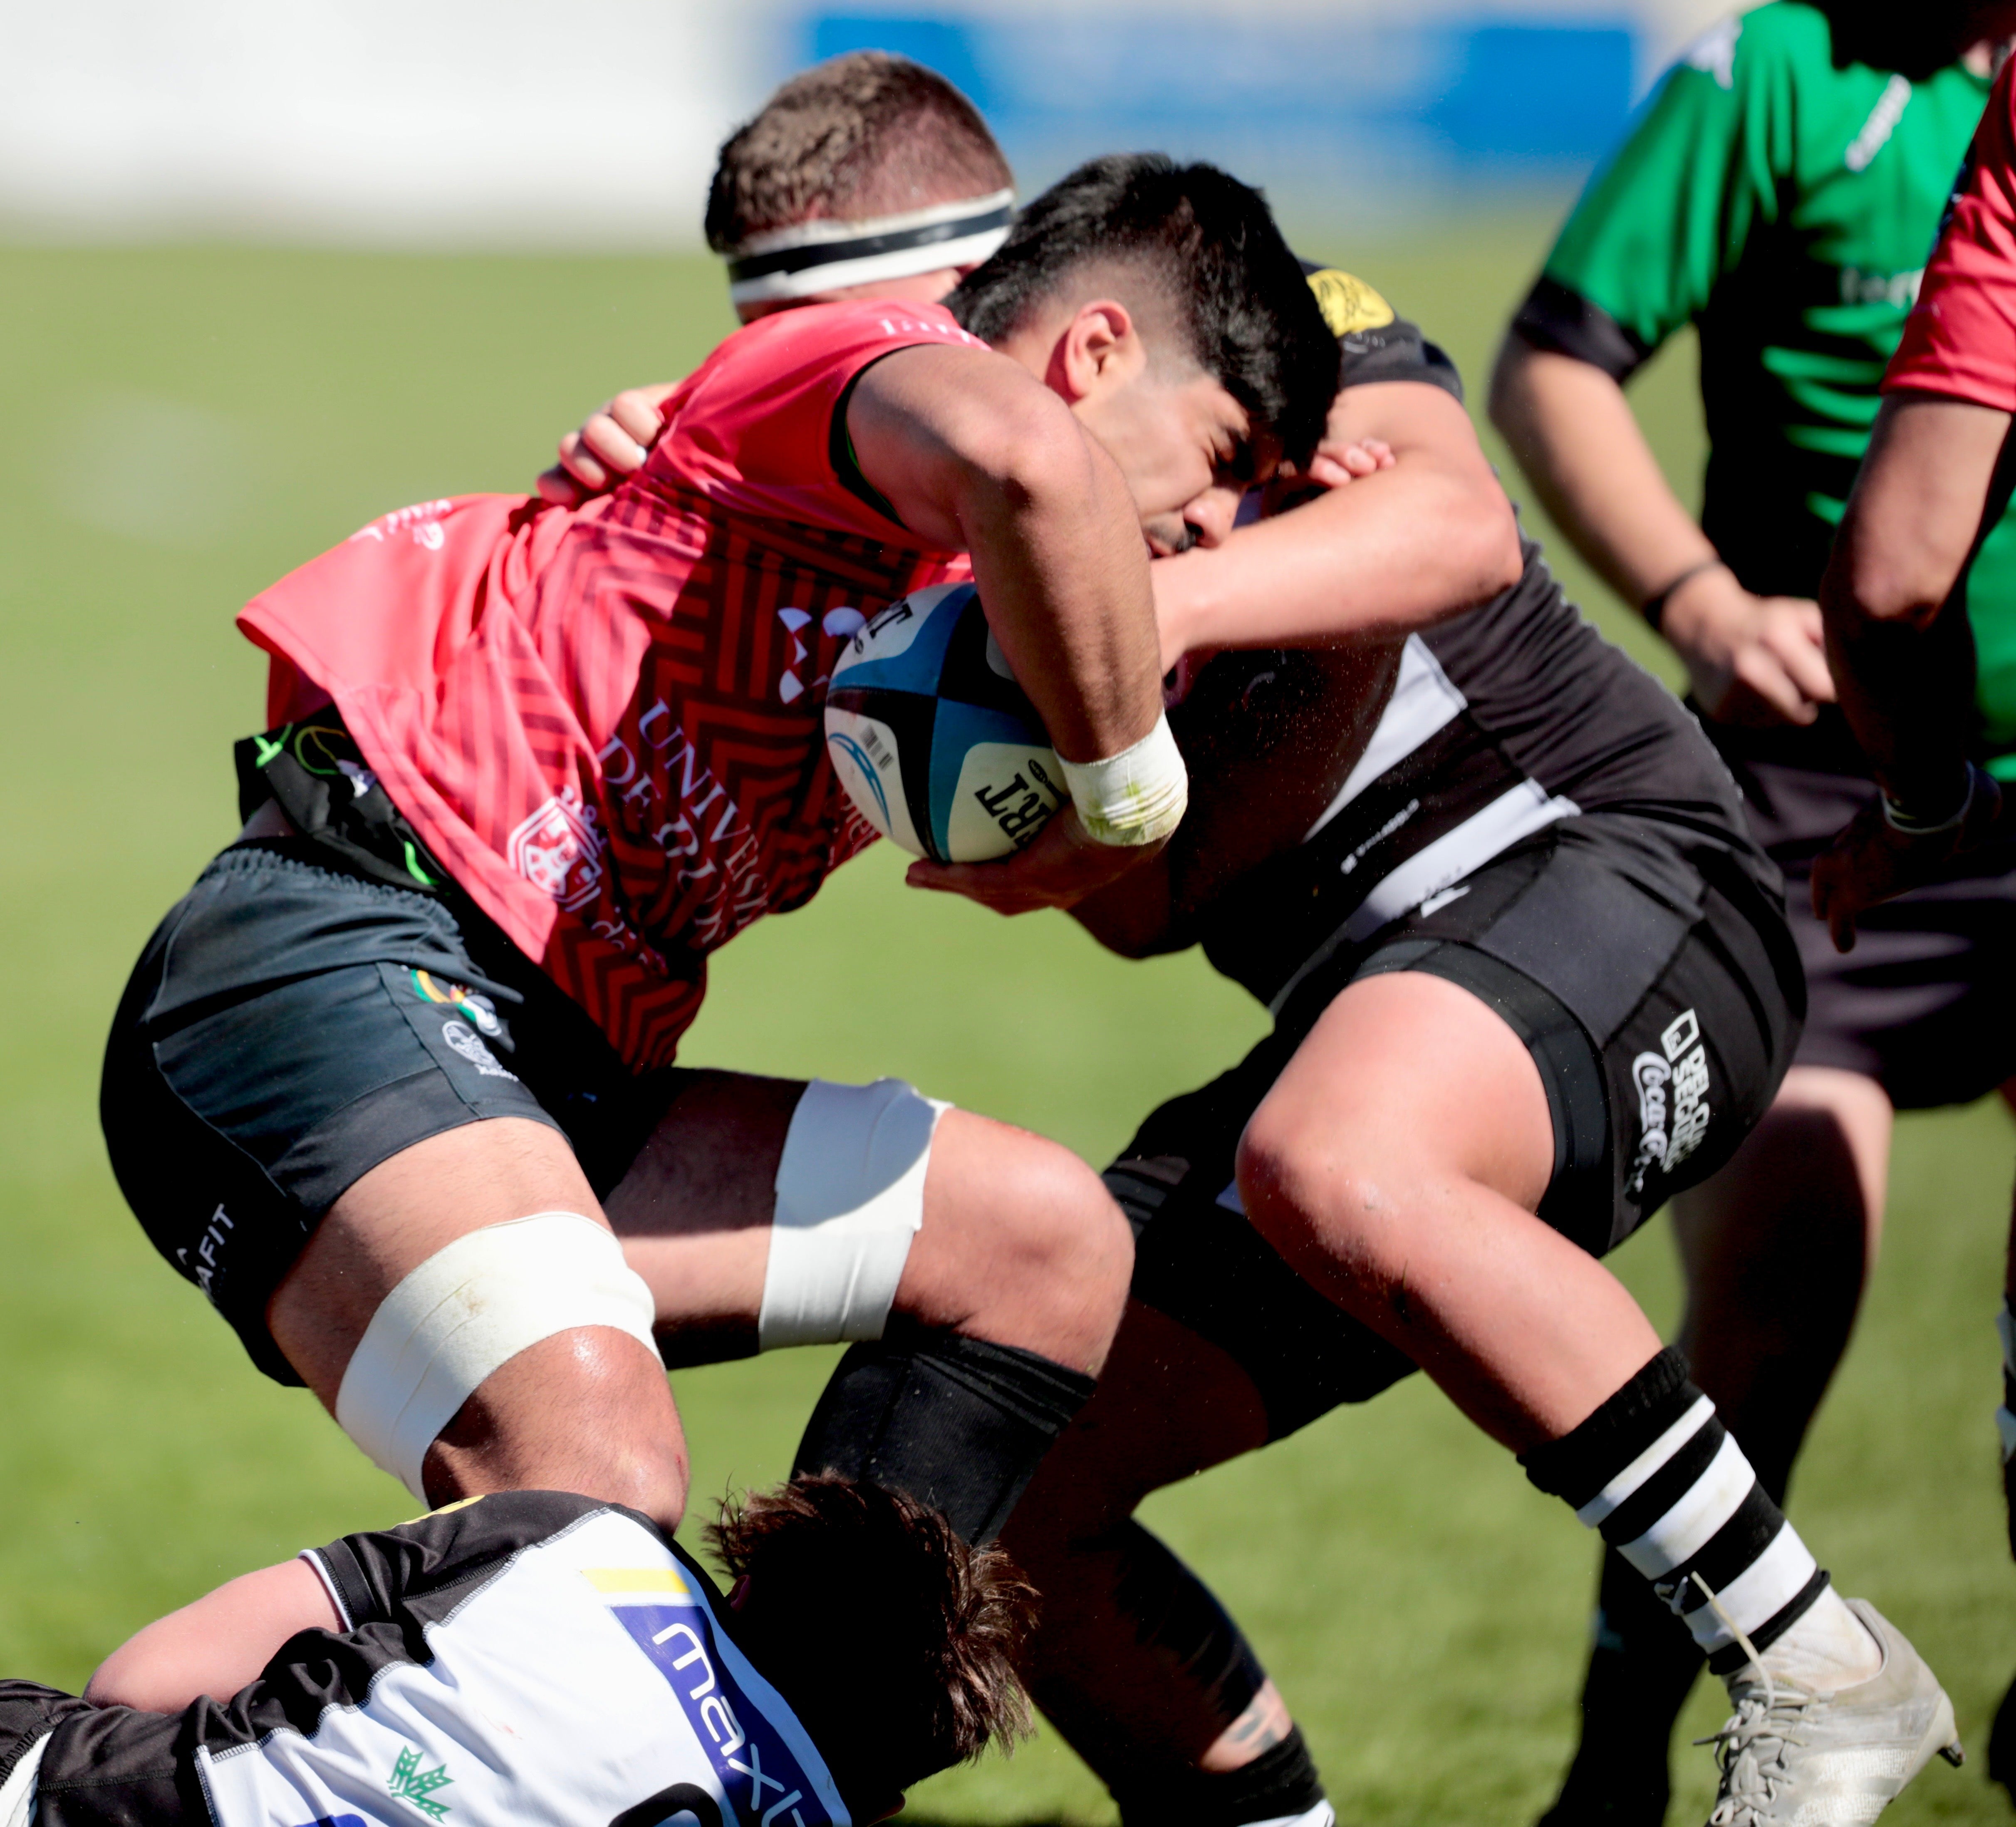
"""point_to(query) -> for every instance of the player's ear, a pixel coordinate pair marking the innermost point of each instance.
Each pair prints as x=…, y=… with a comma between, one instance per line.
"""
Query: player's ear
x=1100, y=348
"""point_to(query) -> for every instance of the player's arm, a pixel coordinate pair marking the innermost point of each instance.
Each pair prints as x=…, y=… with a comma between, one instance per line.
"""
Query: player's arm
x=972, y=451
x=216, y=1646
x=1902, y=648
x=1750, y=659
x=1408, y=544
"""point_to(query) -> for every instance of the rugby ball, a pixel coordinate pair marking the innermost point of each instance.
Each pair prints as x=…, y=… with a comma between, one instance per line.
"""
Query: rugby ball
x=936, y=744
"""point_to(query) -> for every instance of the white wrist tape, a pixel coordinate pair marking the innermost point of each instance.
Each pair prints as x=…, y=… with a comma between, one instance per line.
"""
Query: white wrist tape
x=17, y=1793
x=1136, y=796
x=470, y=1308
x=850, y=1198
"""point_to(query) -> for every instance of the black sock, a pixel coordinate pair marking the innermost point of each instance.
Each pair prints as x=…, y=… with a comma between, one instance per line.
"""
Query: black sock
x=1652, y=1469
x=1642, y=1667
x=958, y=1423
x=1281, y=1781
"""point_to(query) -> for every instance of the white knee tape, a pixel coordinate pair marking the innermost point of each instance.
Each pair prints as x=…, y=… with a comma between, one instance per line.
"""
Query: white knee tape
x=470, y=1308
x=850, y=1197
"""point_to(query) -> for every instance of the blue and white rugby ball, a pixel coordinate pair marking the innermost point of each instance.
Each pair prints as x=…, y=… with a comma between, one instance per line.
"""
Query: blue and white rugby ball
x=933, y=740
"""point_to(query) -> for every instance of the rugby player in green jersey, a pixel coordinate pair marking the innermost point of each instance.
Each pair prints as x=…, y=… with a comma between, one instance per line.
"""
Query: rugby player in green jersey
x=1781, y=191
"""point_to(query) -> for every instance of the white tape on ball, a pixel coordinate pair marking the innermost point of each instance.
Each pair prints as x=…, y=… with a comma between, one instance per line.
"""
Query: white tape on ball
x=1136, y=796
x=470, y=1308
x=850, y=1198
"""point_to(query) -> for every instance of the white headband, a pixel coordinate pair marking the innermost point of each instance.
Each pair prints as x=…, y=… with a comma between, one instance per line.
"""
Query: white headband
x=824, y=256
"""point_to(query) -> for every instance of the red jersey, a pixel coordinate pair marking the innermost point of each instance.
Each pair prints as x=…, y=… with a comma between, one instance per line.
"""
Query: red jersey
x=1959, y=340
x=607, y=722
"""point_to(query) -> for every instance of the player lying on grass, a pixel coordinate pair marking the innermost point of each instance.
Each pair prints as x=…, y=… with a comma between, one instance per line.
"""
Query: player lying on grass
x=1781, y=191
x=537, y=1656
x=1901, y=628
x=1525, y=950
x=382, y=1080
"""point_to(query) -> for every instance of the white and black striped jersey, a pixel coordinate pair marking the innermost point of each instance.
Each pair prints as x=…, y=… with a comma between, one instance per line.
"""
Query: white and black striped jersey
x=527, y=1657
x=1502, y=722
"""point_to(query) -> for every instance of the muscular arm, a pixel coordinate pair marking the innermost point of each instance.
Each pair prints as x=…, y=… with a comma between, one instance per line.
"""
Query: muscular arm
x=1749, y=658
x=1395, y=550
x=1899, y=644
x=216, y=1646
x=1902, y=648
x=974, y=452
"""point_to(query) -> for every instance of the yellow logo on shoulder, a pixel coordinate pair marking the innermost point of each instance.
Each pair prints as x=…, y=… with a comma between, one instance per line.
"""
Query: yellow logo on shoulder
x=1347, y=303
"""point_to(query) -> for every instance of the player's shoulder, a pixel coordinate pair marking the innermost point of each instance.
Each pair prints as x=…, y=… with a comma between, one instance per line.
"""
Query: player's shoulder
x=816, y=336
x=1349, y=304
x=1374, y=342
x=1744, y=49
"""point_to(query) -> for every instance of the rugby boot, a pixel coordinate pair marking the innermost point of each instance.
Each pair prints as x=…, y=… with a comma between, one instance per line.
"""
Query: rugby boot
x=1792, y=1758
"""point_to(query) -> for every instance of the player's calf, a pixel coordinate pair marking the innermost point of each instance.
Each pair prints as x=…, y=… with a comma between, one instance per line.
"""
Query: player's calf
x=1010, y=1296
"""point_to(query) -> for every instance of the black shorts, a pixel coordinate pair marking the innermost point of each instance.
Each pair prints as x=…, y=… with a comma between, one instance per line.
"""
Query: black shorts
x=1925, y=1003
x=290, y=1026
x=1661, y=1034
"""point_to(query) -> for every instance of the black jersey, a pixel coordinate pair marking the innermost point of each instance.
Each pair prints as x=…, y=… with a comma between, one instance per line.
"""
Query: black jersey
x=1501, y=721
x=526, y=1657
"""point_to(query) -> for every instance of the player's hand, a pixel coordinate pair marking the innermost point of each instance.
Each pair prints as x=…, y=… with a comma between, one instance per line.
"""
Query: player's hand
x=1755, y=660
x=1870, y=860
x=1060, y=868
x=1335, y=463
x=612, y=443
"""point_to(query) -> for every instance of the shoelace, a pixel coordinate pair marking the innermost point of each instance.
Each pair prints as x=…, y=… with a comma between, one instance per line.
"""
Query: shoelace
x=1746, y=1791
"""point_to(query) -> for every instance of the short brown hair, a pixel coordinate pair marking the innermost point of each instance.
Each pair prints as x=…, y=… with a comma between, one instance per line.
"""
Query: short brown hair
x=867, y=134
x=894, y=1641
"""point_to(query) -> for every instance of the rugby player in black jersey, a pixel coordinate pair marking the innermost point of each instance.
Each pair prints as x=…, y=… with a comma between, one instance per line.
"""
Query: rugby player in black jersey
x=1530, y=975
x=535, y=1655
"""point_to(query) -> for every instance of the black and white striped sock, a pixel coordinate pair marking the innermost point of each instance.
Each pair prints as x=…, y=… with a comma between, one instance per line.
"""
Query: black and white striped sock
x=1656, y=1472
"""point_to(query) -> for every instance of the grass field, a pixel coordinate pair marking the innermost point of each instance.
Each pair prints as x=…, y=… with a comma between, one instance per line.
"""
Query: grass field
x=184, y=424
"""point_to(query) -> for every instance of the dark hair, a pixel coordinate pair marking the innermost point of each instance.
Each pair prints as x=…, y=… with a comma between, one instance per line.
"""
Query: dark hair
x=894, y=1641
x=867, y=134
x=1208, y=247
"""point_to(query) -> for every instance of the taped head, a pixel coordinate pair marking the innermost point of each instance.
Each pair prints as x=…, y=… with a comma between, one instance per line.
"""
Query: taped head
x=865, y=170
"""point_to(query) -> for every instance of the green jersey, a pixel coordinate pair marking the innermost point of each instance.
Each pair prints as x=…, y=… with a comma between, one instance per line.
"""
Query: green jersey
x=1785, y=205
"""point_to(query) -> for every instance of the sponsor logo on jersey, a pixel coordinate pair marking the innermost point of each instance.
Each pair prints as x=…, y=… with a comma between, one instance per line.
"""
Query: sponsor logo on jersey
x=421, y=521
x=558, y=850
x=1347, y=303
x=758, y=1771
x=1900, y=290
x=1673, y=1109
x=1882, y=122
x=408, y=1782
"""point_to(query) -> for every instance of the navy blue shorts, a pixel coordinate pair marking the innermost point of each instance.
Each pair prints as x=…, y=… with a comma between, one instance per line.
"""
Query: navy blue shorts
x=290, y=1026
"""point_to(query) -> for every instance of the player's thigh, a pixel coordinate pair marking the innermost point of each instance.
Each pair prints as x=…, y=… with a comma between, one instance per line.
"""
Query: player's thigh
x=695, y=1210
x=403, y=1211
x=1406, y=1083
x=289, y=1032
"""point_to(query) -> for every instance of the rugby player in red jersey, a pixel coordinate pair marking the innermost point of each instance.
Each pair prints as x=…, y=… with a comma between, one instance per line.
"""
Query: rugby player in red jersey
x=1453, y=856
x=383, y=1079
x=1937, y=479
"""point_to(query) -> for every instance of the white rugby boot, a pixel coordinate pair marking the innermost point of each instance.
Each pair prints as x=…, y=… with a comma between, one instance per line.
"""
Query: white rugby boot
x=1790, y=1757
x=1322, y=1814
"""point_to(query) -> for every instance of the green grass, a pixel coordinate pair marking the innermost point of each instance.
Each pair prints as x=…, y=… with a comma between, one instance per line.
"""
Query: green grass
x=184, y=424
